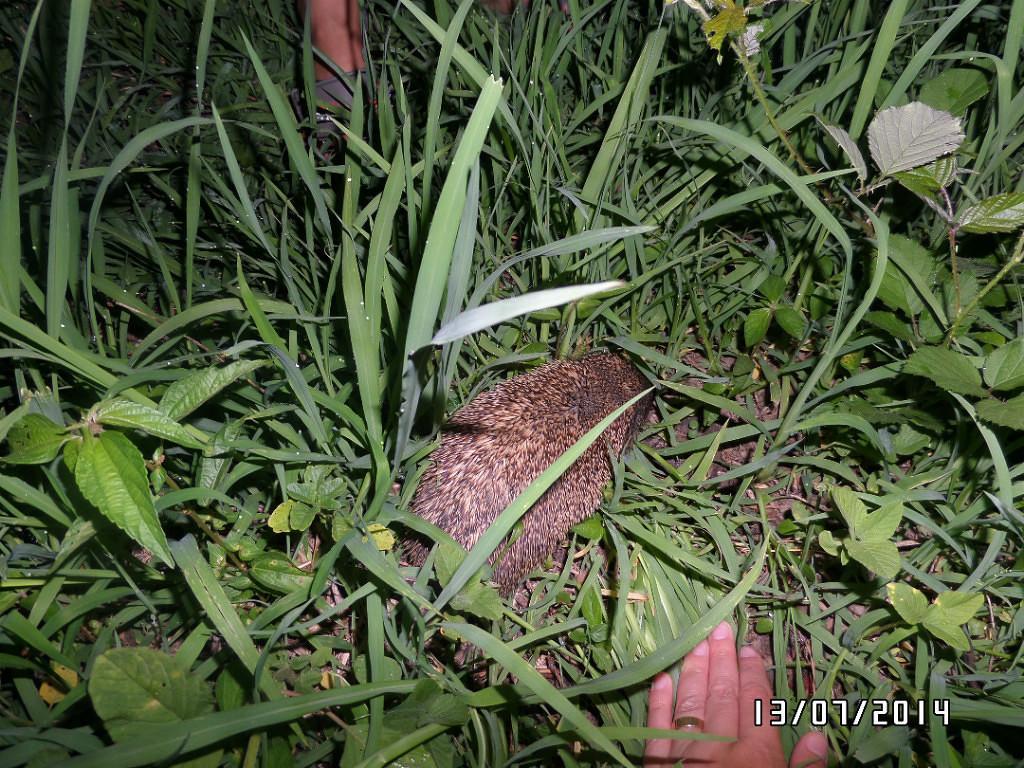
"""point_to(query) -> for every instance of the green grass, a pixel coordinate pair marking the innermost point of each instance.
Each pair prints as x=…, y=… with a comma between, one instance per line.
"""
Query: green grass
x=163, y=215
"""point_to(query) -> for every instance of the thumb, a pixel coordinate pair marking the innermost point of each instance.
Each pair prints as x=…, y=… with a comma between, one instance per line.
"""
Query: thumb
x=810, y=752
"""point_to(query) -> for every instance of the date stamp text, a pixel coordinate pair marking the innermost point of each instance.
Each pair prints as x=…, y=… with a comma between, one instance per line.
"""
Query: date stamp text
x=822, y=712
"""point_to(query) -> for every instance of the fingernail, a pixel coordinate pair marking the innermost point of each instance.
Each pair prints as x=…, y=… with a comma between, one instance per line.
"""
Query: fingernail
x=701, y=649
x=748, y=652
x=817, y=744
x=722, y=632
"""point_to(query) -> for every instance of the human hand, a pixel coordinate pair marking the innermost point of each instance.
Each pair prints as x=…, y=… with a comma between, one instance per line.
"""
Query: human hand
x=716, y=696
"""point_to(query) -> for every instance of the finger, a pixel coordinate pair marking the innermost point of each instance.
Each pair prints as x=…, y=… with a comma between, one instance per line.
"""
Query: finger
x=723, y=683
x=810, y=752
x=691, y=699
x=355, y=36
x=692, y=696
x=754, y=685
x=659, y=715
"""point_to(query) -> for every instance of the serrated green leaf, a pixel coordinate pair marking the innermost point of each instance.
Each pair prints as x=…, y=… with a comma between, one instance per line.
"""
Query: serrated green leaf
x=950, y=370
x=882, y=557
x=756, y=325
x=320, y=489
x=480, y=600
x=999, y=213
x=111, y=474
x=955, y=90
x=132, y=688
x=881, y=524
x=910, y=603
x=449, y=558
x=901, y=138
x=888, y=322
x=34, y=439
x=1005, y=413
x=958, y=607
x=908, y=441
x=191, y=391
x=850, y=507
x=790, y=321
x=929, y=179
x=131, y=415
x=1004, y=367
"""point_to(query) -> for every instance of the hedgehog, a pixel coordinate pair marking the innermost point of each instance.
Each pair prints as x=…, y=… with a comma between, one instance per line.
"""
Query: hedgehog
x=496, y=445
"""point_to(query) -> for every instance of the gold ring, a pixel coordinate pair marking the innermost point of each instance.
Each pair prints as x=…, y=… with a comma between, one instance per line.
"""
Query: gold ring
x=689, y=723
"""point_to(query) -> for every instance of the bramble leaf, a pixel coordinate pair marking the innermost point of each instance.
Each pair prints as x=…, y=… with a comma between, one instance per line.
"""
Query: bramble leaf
x=929, y=179
x=1004, y=367
x=954, y=90
x=950, y=370
x=901, y=138
x=999, y=213
x=849, y=146
x=1005, y=413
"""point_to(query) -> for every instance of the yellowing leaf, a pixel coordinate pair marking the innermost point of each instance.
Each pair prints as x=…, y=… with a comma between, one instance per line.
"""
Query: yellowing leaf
x=882, y=557
x=67, y=674
x=50, y=693
x=730, y=21
x=881, y=524
x=959, y=607
x=850, y=507
x=53, y=694
x=278, y=520
x=382, y=537
x=910, y=603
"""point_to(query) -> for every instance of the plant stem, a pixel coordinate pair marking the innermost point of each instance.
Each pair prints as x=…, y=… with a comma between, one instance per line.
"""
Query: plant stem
x=952, y=248
x=762, y=98
x=1015, y=260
